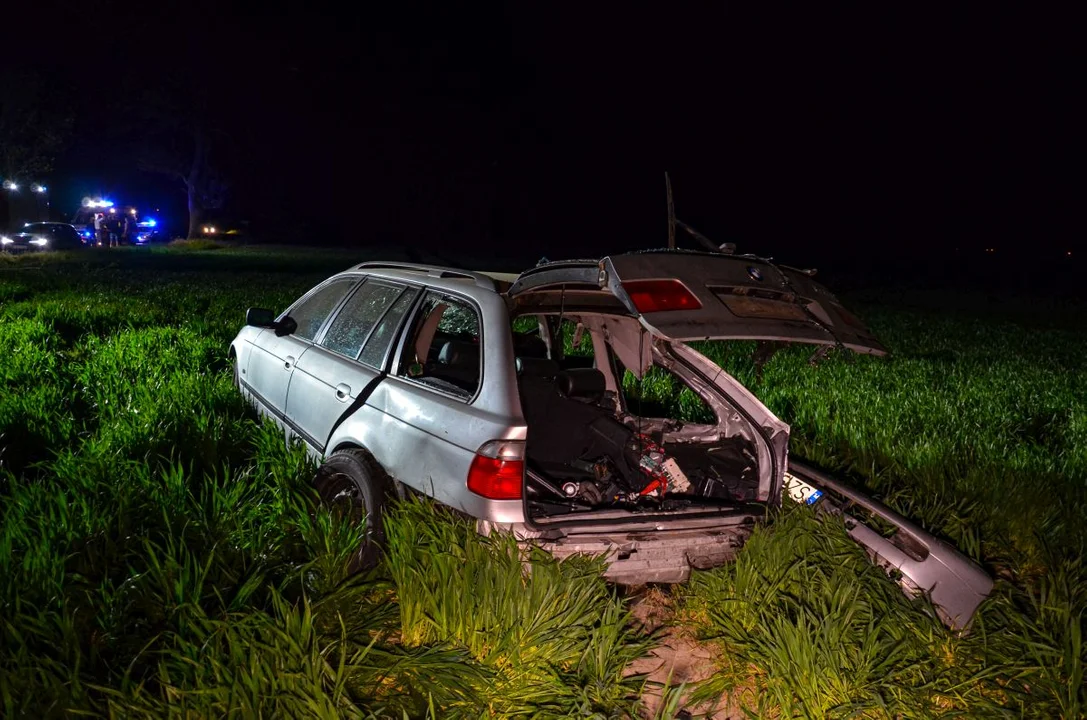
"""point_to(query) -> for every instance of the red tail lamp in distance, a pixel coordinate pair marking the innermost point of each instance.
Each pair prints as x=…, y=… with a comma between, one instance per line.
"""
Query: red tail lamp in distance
x=660, y=295
x=497, y=471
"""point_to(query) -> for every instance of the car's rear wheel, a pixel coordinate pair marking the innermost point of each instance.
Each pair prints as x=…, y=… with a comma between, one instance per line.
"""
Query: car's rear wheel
x=351, y=483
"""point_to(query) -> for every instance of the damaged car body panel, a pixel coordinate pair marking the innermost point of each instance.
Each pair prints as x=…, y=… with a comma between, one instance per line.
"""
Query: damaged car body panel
x=460, y=386
x=736, y=297
x=741, y=298
x=729, y=298
x=921, y=563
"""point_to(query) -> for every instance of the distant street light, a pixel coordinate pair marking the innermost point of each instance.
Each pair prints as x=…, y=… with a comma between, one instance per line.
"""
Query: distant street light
x=38, y=188
x=10, y=185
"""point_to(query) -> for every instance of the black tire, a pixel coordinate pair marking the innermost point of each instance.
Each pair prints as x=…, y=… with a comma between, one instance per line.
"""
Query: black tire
x=351, y=481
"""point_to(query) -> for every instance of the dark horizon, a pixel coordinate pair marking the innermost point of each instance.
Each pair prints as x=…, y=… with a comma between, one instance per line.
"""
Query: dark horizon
x=495, y=131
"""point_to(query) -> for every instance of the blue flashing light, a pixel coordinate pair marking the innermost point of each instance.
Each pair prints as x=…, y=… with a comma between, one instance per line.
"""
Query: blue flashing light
x=148, y=222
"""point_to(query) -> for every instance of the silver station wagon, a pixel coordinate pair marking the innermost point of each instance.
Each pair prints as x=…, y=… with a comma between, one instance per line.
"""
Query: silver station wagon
x=513, y=400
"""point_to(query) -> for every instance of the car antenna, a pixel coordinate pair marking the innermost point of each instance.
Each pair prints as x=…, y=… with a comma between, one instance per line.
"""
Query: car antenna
x=725, y=248
x=671, y=212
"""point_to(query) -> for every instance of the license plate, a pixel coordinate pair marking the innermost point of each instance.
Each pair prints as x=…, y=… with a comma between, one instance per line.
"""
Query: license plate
x=800, y=491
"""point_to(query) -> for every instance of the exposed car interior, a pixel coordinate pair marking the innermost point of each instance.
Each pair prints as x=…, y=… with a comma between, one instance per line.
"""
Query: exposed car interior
x=443, y=349
x=591, y=444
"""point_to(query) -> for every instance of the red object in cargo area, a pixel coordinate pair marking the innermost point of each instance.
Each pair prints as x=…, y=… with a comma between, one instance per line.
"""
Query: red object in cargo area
x=495, y=478
x=657, y=295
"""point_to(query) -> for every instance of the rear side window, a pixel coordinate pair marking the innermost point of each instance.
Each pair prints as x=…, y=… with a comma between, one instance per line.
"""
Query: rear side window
x=660, y=394
x=443, y=348
x=358, y=317
x=373, y=353
x=312, y=312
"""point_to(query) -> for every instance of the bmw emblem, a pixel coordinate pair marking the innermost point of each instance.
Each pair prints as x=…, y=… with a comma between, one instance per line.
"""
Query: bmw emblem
x=754, y=272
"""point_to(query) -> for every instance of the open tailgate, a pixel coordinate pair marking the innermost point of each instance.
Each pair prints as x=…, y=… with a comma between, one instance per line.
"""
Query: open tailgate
x=732, y=297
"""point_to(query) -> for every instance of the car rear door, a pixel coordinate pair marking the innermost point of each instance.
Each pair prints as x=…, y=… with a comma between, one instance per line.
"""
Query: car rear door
x=272, y=358
x=697, y=296
x=335, y=376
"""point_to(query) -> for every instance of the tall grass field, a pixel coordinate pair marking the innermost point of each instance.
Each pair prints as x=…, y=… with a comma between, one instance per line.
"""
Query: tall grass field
x=163, y=555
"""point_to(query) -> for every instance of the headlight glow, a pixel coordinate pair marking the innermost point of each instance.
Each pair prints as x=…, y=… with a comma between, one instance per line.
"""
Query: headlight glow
x=6, y=241
x=40, y=242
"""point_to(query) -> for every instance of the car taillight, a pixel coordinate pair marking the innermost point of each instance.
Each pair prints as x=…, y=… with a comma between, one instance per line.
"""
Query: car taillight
x=657, y=295
x=497, y=471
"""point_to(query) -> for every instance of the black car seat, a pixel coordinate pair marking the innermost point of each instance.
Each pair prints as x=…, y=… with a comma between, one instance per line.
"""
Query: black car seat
x=458, y=363
x=534, y=368
x=565, y=424
x=529, y=345
x=584, y=384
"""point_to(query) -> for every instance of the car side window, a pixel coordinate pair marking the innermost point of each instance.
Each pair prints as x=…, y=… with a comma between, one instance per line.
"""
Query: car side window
x=358, y=316
x=444, y=348
x=662, y=394
x=312, y=312
x=377, y=345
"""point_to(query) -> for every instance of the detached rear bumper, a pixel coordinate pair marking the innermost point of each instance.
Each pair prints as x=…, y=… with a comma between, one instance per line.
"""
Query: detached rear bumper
x=920, y=562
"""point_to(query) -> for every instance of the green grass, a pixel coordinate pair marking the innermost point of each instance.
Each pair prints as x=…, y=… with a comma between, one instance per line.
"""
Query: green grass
x=161, y=553
x=977, y=428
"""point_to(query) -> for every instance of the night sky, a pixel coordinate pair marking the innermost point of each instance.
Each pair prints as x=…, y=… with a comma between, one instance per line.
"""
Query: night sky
x=540, y=129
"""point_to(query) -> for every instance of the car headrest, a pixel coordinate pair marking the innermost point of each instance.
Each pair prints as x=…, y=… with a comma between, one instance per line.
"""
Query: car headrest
x=582, y=383
x=531, y=346
x=537, y=367
x=459, y=354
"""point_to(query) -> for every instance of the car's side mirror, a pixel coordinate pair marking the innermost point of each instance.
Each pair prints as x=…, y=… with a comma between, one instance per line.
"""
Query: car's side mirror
x=260, y=317
x=286, y=326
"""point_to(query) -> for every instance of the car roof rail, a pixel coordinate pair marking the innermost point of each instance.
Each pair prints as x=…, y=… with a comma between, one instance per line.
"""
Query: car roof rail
x=433, y=271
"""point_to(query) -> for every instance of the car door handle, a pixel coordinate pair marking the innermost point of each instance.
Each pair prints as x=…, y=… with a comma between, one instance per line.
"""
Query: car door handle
x=343, y=392
x=288, y=363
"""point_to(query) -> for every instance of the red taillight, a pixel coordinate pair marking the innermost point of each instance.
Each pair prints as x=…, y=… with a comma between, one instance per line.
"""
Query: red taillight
x=657, y=295
x=497, y=471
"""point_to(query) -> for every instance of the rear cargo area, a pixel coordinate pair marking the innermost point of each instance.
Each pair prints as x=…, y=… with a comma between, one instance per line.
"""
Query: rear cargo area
x=591, y=454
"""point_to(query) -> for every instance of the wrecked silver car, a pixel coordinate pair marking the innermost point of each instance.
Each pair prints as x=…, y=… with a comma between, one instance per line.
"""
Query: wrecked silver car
x=503, y=397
